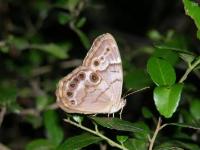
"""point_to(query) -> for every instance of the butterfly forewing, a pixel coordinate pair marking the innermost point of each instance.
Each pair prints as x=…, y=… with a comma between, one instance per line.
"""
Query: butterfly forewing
x=96, y=86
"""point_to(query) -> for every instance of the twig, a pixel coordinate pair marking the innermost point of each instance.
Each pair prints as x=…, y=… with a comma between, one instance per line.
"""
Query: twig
x=142, y=89
x=152, y=140
x=96, y=132
x=30, y=111
x=189, y=69
x=2, y=113
x=36, y=112
x=48, y=68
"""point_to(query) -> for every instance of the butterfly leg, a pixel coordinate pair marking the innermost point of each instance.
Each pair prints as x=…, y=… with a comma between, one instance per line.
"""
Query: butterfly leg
x=120, y=114
x=108, y=115
x=113, y=115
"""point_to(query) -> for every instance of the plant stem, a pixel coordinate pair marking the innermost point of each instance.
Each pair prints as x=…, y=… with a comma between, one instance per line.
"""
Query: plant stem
x=111, y=142
x=189, y=69
x=152, y=140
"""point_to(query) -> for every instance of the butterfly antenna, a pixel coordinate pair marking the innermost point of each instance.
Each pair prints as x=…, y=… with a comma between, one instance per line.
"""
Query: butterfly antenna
x=142, y=89
x=126, y=93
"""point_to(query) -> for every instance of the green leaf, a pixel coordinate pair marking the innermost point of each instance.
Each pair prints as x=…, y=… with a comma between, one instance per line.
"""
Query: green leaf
x=59, y=51
x=192, y=9
x=137, y=79
x=80, y=22
x=167, y=98
x=122, y=139
x=186, y=55
x=40, y=144
x=78, y=142
x=84, y=39
x=195, y=109
x=166, y=54
x=54, y=131
x=161, y=71
x=136, y=144
x=117, y=124
x=142, y=135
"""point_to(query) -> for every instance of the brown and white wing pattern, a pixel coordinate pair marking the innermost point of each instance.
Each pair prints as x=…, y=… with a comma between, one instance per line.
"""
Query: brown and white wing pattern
x=96, y=86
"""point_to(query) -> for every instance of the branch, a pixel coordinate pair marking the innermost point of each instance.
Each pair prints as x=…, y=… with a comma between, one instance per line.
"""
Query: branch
x=189, y=69
x=97, y=133
x=152, y=140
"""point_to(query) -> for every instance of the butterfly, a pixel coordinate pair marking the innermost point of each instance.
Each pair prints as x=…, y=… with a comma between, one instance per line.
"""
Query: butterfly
x=95, y=86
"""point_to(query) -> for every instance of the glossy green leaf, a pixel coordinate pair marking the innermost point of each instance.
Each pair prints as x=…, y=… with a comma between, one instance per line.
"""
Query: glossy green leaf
x=54, y=131
x=192, y=9
x=79, y=142
x=117, y=124
x=166, y=54
x=195, y=108
x=186, y=55
x=137, y=79
x=40, y=144
x=161, y=71
x=167, y=98
x=136, y=144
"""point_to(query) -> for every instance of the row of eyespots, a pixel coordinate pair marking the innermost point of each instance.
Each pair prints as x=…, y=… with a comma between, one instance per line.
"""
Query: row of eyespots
x=73, y=84
x=96, y=62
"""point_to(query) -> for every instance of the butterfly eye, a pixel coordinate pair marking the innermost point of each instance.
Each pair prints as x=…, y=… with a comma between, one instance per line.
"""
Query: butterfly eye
x=94, y=77
x=81, y=76
x=69, y=94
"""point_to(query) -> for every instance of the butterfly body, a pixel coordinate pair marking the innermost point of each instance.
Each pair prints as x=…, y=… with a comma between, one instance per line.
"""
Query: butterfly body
x=95, y=86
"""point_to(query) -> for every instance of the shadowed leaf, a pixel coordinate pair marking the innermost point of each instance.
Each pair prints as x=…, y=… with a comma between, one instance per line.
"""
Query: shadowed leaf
x=117, y=124
x=78, y=142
